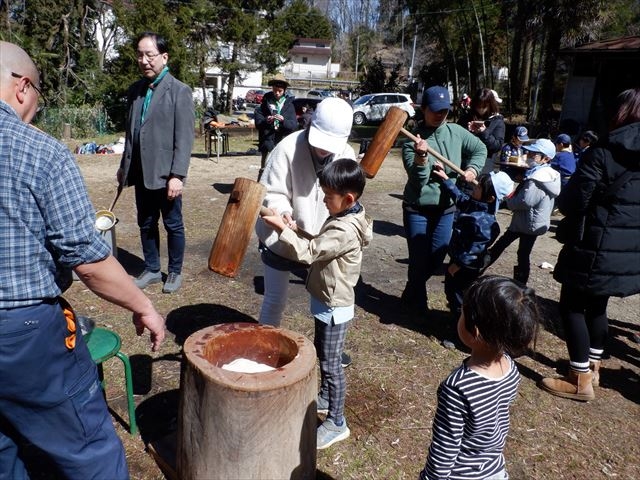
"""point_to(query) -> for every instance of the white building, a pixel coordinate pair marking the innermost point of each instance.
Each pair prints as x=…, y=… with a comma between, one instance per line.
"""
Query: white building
x=311, y=58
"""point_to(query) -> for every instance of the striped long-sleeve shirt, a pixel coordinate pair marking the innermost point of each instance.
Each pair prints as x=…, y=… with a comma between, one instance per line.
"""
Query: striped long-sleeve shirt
x=471, y=425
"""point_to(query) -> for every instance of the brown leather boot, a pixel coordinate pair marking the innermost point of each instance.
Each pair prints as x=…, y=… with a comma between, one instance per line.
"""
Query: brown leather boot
x=575, y=385
x=595, y=372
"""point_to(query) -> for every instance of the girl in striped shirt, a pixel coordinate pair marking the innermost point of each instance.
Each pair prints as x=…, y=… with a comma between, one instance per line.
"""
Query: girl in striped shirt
x=499, y=317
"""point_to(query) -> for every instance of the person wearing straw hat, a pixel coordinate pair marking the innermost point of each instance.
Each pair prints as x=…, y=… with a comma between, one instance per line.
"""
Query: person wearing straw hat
x=275, y=118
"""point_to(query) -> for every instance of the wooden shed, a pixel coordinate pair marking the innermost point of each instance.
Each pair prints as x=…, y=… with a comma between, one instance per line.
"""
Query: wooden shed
x=599, y=72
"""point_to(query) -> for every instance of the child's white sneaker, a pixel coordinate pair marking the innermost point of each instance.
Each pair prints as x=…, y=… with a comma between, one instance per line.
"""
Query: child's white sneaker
x=329, y=433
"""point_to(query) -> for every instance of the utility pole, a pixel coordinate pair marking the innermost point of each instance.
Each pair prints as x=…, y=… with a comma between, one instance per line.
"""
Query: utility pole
x=484, y=69
x=413, y=54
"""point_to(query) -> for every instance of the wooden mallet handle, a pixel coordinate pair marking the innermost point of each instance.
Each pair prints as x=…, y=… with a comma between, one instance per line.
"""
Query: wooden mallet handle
x=384, y=139
x=264, y=211
x=430, y=150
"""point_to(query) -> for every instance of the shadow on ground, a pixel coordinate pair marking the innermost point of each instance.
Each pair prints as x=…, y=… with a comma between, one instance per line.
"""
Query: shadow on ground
x=184, y=321
x=391, y=310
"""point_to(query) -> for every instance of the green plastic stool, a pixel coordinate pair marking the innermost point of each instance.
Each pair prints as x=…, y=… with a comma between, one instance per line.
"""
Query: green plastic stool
x=104, y=344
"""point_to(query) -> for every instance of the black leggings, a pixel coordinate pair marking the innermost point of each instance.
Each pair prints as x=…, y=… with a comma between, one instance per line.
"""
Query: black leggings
x=584, y=317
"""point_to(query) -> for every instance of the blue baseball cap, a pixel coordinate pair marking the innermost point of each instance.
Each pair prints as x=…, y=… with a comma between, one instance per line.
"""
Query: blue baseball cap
x=436, y=98
x=564, y=139
x=522, y=133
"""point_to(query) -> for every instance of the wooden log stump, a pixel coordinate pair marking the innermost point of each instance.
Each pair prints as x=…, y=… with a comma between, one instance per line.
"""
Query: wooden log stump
x=247, y=425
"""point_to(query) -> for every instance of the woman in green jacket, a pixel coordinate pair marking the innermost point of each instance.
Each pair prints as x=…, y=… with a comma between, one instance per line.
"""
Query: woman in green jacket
x=428, y=211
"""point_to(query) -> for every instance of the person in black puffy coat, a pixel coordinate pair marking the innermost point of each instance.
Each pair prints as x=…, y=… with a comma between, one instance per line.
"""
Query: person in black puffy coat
x=602, y=260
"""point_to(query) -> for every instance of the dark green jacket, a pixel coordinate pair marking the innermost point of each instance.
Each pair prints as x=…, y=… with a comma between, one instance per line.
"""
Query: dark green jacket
x=453, y=142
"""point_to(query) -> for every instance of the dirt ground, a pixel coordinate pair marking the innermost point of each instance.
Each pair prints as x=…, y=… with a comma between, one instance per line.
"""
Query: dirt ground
x=398, y=360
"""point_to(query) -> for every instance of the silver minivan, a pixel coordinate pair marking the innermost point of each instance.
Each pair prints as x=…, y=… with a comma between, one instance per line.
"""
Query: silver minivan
x=373, y=107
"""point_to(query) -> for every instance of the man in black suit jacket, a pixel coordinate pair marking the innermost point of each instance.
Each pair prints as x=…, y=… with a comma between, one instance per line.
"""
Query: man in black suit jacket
x=159, y=138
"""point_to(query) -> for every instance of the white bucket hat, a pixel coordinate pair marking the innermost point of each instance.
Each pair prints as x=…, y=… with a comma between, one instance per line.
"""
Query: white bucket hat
x=331, y=125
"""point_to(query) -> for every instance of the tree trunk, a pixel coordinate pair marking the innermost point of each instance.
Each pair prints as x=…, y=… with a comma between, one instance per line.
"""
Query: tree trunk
x=554, y=35
x=526, y=68
x=489, y=49
x=231, y=80
x=64, y=84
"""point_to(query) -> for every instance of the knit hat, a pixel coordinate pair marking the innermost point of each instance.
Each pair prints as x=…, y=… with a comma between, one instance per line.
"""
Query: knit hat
x=502, y=184
x=331, y=125
x=543, y=146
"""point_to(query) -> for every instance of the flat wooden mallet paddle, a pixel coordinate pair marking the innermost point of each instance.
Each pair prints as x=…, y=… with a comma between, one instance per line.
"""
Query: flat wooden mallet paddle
x=236, y=227
x=384, y=139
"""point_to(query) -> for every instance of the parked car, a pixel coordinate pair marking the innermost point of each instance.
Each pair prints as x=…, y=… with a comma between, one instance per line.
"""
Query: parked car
x=252, y=96
x=259, y=95
x=319, y=94
x=298, y=103
x=373, y=107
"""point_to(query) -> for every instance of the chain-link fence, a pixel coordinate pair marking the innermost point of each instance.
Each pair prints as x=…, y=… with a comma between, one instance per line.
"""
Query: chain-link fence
x=77, y=122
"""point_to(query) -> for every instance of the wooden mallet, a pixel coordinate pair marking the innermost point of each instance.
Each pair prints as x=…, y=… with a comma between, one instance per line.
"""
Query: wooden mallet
x=384, y=139
x=236, y=226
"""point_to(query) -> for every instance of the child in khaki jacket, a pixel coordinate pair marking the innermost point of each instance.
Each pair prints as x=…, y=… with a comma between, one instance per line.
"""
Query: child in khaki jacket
x=335, y=256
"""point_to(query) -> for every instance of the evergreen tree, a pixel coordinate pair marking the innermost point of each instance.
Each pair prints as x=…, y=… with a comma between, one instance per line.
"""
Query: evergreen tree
x=392, y=84
x=374, y=78
x=58, y=37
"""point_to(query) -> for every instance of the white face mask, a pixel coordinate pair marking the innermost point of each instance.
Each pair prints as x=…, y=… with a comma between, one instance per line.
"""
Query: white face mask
x=531, y=162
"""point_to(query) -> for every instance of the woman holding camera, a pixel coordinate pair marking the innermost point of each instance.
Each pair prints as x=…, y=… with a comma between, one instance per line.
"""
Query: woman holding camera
x=485, y=122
